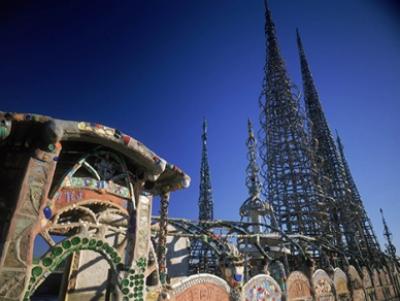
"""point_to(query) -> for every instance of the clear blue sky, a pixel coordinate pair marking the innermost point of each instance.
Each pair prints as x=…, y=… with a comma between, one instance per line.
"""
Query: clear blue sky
x=153, y=69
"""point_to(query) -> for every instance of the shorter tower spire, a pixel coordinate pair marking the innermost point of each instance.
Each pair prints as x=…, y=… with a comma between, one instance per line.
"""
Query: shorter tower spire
x=330, y=170
x=252, y=179
x=390, y=248
x=254, y=209
x=206, y=205
x=367, y=240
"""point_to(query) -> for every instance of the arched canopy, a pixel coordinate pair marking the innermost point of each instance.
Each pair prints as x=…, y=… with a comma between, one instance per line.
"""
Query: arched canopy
x=46, y=131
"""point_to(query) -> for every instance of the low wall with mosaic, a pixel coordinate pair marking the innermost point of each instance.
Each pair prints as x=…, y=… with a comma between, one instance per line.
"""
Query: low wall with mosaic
x=377, y=285
x=322, y=285
x=298, y=287
x=367, y=284
x=200, y=287
x=341, y=285
x=356, y=284
x=261, y=288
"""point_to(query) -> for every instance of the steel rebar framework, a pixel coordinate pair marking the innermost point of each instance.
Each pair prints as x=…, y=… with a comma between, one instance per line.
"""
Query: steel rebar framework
x=289, y=167
x=390, y=248
x=202, y=257
x=342, y=210
x=254, y=209
x=206, y=206
x=369, y=244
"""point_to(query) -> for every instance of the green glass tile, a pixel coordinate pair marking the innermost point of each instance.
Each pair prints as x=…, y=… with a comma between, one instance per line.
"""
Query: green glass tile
x=56, y=251
x=75, y=241
x=47, y=261
x=37, y=271
x=66, y=244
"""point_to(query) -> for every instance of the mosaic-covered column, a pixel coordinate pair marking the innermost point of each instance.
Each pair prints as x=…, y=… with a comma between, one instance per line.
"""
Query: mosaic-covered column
x=162, y=239
x=32, y=211
x=132, y=278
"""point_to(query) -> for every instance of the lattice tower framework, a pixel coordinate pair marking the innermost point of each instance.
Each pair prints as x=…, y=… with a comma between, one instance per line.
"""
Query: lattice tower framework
x=206, y=204
x=342, y=211
x=289, y=168
x=368, y=242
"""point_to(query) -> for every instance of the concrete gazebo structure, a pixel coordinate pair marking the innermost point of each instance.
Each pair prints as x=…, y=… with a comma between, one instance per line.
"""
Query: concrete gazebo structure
x=87, y=190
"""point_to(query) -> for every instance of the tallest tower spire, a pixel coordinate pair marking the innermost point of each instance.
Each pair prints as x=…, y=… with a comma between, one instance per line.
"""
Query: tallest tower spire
x=206, y=205
x=272, y=41
x=275, y=66
x=292, y=187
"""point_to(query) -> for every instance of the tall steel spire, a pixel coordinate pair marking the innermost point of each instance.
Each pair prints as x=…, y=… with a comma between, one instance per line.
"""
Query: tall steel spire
x=288, y=162
x=206, y=205
x=390, y=248
x=368, y=241
x=332, y=175
x=254, y=209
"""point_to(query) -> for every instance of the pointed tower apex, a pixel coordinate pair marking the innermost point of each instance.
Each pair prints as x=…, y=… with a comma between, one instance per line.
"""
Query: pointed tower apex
x=204, y=129
x=311, y=97
x=299, y=42
x=250, y=129
x=266, y=7
x=268, y=16
x=272, y=42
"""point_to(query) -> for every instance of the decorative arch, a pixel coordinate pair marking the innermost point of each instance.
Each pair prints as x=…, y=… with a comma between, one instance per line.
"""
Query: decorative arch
x=322, y=285
x=99, y=169
x=261, y=287
x=58, y=253
x=89, y=219
x=232, y=228
x=341, y=287
x=298, y=287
